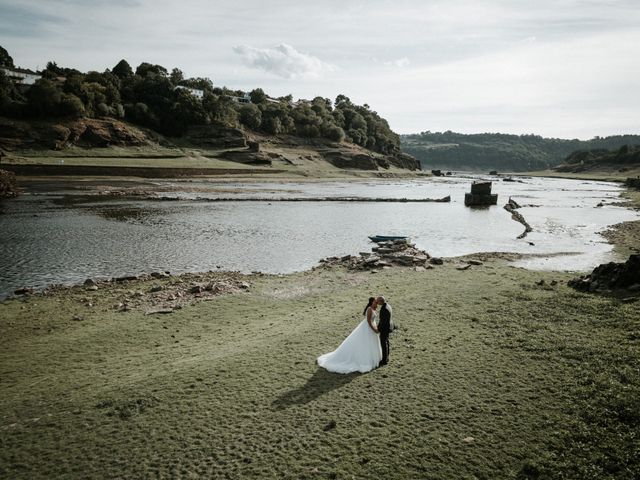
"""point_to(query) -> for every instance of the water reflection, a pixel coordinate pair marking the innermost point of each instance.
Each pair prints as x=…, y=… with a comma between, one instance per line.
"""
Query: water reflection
x=75, y=235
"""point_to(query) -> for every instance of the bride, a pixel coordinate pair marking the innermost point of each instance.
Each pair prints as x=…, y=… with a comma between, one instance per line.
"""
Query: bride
x=361, y=350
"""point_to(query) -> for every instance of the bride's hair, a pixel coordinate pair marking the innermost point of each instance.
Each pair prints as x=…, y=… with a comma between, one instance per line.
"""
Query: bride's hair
x=371, y=300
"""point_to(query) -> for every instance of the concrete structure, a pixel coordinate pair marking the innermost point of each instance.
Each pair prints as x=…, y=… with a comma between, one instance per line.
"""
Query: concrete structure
x=246, y=98
x=480, y=195
x=199, y=94
x=22, y=76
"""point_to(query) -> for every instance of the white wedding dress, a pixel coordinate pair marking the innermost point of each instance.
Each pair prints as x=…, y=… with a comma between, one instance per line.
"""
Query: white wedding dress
x=359, y=352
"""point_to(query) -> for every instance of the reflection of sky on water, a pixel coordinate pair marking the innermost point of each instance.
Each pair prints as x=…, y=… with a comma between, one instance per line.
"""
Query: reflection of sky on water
x=46, y=238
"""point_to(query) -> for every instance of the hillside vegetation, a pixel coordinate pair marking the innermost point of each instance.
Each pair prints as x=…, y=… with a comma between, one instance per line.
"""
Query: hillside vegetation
x=168, y=103
x=499, y=151
x=623, y=159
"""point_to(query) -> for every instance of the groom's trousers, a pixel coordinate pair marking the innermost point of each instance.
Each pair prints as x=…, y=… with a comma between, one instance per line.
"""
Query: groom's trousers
x=384, y=343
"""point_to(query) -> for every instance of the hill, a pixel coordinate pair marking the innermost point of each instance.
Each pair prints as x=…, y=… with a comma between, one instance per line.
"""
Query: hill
x=623, y=159
x=499, y=151
x=60, y=108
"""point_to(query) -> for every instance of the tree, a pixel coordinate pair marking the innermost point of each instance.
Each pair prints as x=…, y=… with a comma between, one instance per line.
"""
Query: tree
x=122, y=69
x=258, y=96
x=176, y=76
x=5, y=59
x=335, y=133
x=251, y=116
x=145, y=69
x=44, y=97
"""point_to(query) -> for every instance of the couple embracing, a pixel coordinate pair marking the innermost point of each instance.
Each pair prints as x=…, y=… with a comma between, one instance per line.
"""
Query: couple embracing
x=367, y=346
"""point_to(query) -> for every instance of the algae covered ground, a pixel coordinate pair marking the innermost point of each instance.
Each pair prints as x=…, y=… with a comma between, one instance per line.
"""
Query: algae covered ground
x=493, y=374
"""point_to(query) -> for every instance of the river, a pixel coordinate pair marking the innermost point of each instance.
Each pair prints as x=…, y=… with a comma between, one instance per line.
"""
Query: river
x=59, y=232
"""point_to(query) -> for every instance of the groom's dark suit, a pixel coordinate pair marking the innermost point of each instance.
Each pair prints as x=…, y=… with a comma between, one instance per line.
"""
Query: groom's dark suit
x=384, y=327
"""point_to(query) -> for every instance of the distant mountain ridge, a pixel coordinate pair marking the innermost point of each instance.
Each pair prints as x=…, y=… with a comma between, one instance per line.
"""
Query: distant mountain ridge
x=500, y=151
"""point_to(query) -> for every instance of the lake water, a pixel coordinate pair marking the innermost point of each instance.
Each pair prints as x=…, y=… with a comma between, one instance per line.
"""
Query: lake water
x=55, y=233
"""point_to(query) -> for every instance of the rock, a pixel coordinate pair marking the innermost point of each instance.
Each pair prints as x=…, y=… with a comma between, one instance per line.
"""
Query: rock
x=610, y=276
x=436, y=261
x=126, y=278
x=157, y=288
x=600, y=204
x=8, y=184
x=468, y=440
x=330, y=426
x=89, y=282
x=78, y=318
x=197, y=289
x=159, y=311
x=463, y=267
x=23, y=291
x=474, y=262
x=244, y=285
x=92, y=288
x=159, y=275
x=420, y=269
x=540, y=282
x=371, y=260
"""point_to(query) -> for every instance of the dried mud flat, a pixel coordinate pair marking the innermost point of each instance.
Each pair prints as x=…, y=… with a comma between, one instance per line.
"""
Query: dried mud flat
x=496, y=372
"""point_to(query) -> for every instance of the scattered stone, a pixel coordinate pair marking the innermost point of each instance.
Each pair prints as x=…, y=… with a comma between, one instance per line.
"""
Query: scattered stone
x=330, y=426
x=420, y=269
x=78, y=318
x=463, y=267
x=89, y=282
x=517, y=216
x=600, y=204
x=157, y=288
x=540, y=282
x=468, y=440
x=610, y=276
x=160, y=311
x=474, y=262
x=159, y=274
x=23, y=291
x=436, y=261
x=126, y=278
x=196, y=289
x=244, y=285
x=92, y=288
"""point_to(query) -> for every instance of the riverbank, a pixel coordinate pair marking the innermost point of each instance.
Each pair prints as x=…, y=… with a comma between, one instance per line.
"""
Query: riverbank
x=495, y=372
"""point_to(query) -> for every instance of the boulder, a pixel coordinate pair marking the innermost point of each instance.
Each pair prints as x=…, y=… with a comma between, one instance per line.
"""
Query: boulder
x=610, y=276
x=8, y=184
x=436, y=261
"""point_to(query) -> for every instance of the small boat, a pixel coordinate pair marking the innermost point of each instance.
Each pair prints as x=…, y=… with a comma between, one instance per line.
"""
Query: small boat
x=386, y=238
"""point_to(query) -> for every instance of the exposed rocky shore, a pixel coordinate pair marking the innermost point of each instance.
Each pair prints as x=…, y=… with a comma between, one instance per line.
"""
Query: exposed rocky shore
x=8, y=184
x=230, y=144
x=396, y=253
x=611, y=277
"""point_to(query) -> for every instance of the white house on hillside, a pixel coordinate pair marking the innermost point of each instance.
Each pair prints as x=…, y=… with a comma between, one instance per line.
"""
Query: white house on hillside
x=22, y=76
x=246, y=98
x=199, y=94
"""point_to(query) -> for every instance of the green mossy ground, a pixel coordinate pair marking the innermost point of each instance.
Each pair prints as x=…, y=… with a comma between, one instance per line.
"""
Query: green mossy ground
x=545, y=379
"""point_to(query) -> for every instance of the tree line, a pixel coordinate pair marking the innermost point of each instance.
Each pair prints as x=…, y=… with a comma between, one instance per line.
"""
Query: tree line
x=148, y=96
x=500, y=151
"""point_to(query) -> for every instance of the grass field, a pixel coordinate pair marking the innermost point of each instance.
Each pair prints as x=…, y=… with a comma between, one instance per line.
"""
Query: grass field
x=491, y=376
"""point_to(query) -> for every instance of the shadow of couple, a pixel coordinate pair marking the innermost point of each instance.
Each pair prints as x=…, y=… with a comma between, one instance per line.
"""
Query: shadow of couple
x=318, y=384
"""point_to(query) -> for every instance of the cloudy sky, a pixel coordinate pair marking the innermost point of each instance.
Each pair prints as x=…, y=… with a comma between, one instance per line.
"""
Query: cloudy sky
x=558, y=68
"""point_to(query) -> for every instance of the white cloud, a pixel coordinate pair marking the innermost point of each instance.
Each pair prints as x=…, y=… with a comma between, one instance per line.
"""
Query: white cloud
x=400, y=62
x=283, y=61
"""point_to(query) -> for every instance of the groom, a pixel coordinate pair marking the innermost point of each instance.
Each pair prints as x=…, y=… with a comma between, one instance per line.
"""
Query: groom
x=384, y=327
